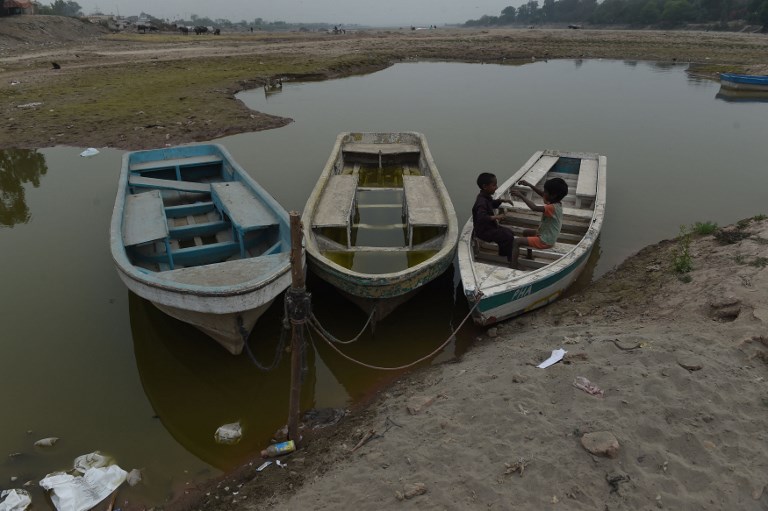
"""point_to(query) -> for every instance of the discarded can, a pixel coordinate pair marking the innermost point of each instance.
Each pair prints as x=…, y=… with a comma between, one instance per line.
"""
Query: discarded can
x=278, y=449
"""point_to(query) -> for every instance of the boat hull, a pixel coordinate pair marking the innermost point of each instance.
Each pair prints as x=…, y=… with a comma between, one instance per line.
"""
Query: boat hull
x=227, y=318
x=380, y=293
x=196, y=236
x=744, y=82
x=495, y=291
x=226, y=329
x=498, y=306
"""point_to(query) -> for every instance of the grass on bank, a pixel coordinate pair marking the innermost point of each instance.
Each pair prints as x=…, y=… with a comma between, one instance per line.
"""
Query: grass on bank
x=682, y=261
x=166, y=95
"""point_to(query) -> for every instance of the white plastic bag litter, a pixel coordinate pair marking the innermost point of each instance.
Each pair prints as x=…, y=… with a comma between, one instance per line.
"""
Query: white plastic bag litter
x=14, y=500
x=229, y=433
x=75, y=493
x=91, y=151
x=556, y=356
x=91, y=460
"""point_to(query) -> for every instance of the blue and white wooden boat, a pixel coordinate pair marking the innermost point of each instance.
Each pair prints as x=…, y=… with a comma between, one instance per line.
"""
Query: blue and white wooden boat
x=195, y=235
x=744, y=82
x=498, y=292
x=379, y=224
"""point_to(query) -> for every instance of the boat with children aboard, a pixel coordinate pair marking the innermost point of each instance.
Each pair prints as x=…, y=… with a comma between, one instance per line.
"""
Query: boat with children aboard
x=494, y=290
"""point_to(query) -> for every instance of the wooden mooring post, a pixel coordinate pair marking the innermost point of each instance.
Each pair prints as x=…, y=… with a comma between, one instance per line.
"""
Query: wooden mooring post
x=298, y=305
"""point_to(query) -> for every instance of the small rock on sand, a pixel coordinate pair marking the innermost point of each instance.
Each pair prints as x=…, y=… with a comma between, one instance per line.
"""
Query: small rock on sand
x=411, y=490
x=601, y=443
x=417, y=404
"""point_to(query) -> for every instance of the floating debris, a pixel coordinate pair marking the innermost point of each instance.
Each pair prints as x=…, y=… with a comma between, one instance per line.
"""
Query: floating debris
x=46, y=442
x=229, y=434
x=92, y=460
x=134, y=477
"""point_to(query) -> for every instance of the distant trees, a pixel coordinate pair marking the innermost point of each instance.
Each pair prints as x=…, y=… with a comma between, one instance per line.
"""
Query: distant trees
x=630, y=12
x=61, y=8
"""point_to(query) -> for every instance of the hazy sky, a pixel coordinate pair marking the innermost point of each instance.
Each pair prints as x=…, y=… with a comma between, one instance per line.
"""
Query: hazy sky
x=365, y=12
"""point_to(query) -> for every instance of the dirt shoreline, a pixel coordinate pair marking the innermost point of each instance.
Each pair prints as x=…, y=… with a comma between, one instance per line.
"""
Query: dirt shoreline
x=687, y=404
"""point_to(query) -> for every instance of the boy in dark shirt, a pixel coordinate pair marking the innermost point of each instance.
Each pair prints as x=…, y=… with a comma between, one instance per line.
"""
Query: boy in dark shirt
x=486, y=223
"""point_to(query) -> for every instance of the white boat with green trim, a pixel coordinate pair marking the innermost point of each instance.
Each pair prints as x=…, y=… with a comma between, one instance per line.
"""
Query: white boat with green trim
x=497, y=292
x=195, y=235
x=379, y=224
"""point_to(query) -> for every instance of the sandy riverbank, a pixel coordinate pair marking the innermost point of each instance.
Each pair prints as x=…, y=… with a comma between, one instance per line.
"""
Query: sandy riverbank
x=682, y=366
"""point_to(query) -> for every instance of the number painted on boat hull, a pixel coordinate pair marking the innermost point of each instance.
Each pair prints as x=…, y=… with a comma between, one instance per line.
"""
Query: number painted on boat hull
x=521, y=293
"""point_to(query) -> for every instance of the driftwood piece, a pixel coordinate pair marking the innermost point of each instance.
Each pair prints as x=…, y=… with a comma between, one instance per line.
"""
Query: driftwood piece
x=364, y=440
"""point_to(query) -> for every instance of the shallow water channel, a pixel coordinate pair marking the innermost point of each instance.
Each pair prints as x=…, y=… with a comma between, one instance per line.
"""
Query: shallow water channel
x=103, y=370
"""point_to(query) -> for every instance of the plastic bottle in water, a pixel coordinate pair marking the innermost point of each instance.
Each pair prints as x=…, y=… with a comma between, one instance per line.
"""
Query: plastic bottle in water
x=278, y=449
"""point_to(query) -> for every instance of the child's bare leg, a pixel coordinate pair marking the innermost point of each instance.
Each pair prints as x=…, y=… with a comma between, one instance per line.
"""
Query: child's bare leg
x=527, y=233
x=519, y=242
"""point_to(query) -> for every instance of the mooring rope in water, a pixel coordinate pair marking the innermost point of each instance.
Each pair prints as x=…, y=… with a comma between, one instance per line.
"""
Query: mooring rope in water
x=316, y=323
x=407, y=366
x=280, y=344
x=278, y=353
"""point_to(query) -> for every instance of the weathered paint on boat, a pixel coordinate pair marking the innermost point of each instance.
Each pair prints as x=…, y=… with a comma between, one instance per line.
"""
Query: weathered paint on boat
x=497, y=292
x=229, y=270
x=384, y=291
x=744, y=82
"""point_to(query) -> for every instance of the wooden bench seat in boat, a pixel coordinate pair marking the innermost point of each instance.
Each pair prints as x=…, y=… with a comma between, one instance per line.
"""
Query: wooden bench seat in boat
x=585, y=214
x=168, y=184
x=335, y=206
x=229, y=273
x=144, y=218
x=488, y=251
x=175, y=163
x=422, y=204
x=586, y=186
x=537, y=172
x=246, y=212
x=554, y=252
x=381, y=148
x=521, y=210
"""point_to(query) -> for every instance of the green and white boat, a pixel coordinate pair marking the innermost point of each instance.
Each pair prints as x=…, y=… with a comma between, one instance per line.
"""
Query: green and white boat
x=496, y=291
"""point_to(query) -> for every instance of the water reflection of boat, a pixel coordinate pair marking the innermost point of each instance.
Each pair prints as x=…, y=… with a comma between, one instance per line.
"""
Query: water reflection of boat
x=379, y=223
x=500, y=292
x=194, y=387
x=742, y=96
x=744, y=82
x=193, y=233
